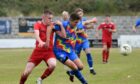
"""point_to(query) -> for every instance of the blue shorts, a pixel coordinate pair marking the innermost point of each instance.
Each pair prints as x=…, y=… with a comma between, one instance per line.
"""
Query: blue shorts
x=62, y=56
x=81, y=46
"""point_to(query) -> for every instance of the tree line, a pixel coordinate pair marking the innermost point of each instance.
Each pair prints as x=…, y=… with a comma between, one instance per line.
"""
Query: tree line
x=97, y=7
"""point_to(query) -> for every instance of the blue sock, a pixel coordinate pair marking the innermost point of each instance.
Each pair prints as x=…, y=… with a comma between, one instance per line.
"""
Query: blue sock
x=72, y=72
x=89, y=60
x=78, y=74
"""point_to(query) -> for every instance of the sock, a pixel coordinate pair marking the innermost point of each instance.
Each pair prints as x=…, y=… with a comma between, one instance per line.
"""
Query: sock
x=78, y=74
x=104, y=55
x=107, y=55
x=23, y=79
x=79, y=55
x=89, y=60
x=72, y=71
x=46, y=73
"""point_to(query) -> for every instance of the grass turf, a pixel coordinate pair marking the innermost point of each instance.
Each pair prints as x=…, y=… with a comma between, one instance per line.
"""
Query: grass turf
x=119, y=70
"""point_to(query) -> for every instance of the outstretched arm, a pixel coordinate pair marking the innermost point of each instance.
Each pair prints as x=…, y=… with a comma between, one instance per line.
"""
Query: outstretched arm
x=79, y=30
x=97, y=31
x=89, y=23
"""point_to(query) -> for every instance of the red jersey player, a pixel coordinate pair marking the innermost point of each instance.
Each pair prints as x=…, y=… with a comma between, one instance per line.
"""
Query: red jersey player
x=44, y=47
x=107, y=28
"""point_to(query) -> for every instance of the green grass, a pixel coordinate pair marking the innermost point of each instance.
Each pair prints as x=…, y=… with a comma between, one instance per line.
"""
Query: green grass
x=119, y=70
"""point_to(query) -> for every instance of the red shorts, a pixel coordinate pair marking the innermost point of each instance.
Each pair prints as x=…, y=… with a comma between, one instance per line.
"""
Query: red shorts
x=108, y=43
x=41, y=54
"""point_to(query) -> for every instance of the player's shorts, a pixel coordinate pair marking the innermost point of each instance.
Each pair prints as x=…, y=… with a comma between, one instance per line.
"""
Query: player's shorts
x=81, y=46
x=41, y=54
x=62, y=56
x=108, y=43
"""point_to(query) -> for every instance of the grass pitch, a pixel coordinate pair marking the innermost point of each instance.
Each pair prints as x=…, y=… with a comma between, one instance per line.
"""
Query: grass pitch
x=119, y=70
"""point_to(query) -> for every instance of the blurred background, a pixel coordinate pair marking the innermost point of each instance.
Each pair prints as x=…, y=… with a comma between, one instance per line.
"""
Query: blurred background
x=17, y=18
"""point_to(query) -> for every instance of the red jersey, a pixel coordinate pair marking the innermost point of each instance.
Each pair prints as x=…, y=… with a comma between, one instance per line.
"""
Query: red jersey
x=42, y=33
x=106, y=35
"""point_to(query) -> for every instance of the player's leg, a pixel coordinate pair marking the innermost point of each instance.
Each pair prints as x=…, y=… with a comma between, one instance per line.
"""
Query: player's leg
x=108, y=49
x=89, y=57
x=104, y=52
x=50, y=61
x=28, y=69
x=75, y=70
x=107, y=54
x=63, y=57
x=73, y=57
x=34, y=60
x=51, y=66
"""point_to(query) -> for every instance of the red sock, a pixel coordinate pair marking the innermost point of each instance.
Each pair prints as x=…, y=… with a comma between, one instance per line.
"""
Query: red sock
x=107, y=55
x=46, y=73
x=23, y=79
x=79, y=55
x=104, y=55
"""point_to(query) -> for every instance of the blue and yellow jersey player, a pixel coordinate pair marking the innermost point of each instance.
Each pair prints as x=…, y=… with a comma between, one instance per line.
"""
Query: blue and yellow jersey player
x=82, y=41
x=137, y=23
x=64, y=48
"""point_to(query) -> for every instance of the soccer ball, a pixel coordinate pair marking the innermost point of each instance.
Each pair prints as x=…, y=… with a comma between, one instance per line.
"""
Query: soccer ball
x=125, y=49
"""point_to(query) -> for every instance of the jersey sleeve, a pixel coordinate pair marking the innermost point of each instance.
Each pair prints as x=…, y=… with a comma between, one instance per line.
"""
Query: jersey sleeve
x=36, y=26
x=113, y=26
x=80, y=25
x=100, y=27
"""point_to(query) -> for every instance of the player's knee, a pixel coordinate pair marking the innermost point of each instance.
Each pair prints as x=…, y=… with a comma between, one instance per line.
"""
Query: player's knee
x=74, y=68
x=81, y=67
x=104, y=48
x=52, y=66
x=87, y=50
x=27, y=72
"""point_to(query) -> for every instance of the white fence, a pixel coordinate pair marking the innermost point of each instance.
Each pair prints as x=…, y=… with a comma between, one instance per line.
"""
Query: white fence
x=17, y=43
x=133, y=40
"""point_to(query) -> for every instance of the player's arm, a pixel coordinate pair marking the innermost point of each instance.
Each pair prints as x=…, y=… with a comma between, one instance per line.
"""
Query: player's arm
x=136, y=25
x=79, y=30
x=49, y=31
x=60, y=29
x=89, y=23
x=113, y=29
x=134, y=28
x=36, y=33
x=97, y=31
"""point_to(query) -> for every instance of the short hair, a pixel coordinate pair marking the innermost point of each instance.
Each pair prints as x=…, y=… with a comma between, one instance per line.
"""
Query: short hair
x=107, y=15
x=74, y=16
x=47, y=11
x=78, y=10
x=64, y=12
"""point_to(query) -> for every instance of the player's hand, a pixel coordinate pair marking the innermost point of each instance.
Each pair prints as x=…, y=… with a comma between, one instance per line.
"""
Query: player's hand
x=134, y=29
x=47, y=44
x=41, y=44
x=58, y=22
x=110, y=30
x=94, y=20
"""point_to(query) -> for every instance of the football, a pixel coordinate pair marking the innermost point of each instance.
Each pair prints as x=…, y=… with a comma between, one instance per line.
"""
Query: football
x=125, y=49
